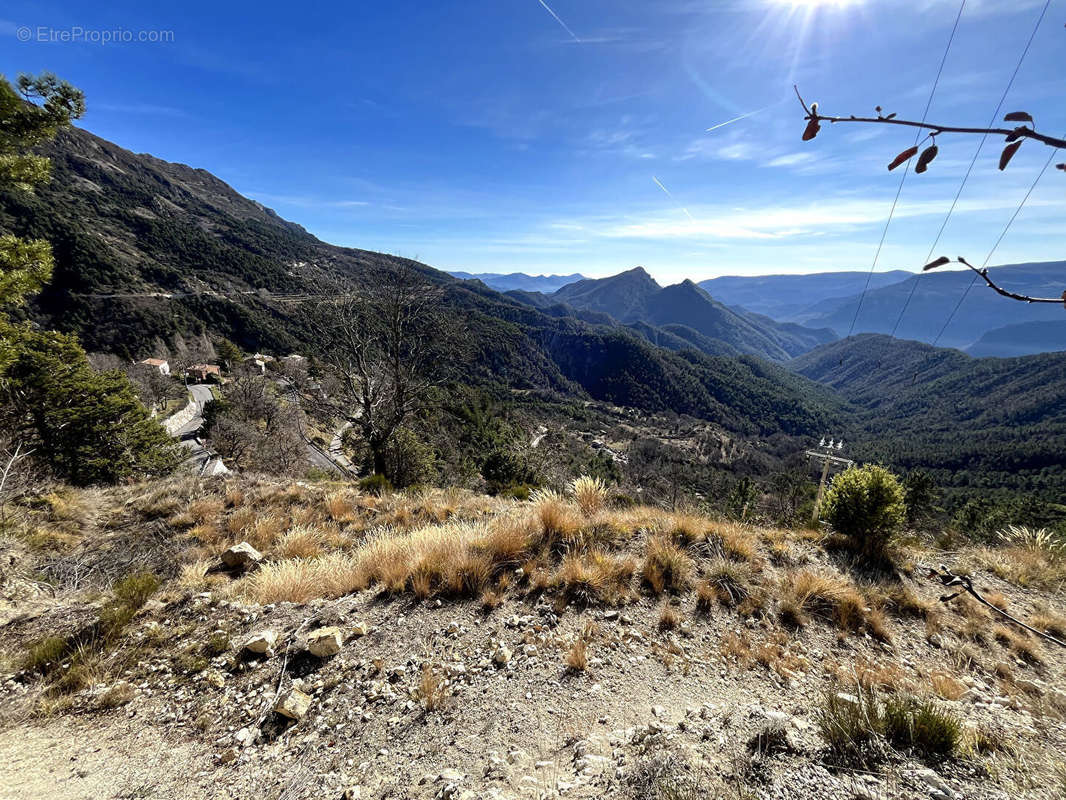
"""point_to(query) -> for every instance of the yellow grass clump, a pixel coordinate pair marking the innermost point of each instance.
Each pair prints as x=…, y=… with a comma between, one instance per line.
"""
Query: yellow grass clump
x=590, y=494
x=596, y=576
x=577, y=656
x=667, y=567
x=560, y=522
x=830, y=596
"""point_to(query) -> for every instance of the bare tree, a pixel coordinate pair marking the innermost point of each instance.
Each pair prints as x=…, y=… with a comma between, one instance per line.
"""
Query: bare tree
x=1023, y=130
x=15, y=478
x=253, y=429
x=153, y=387
x=390, y=346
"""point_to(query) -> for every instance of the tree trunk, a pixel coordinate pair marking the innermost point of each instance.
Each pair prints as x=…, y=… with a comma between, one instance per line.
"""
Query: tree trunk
x=378, y=451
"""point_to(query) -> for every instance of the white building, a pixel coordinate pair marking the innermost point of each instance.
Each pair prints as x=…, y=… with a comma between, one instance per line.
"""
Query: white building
x=159, y=364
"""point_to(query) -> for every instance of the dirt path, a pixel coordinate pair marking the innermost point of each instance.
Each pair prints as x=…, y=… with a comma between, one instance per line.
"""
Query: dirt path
x=76, y=759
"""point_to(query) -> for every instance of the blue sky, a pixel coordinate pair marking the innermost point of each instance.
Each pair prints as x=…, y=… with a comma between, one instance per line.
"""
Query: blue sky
x=485, y=136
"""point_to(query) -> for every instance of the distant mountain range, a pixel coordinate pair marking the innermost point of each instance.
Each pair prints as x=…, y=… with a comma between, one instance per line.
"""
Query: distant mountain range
x=148, y=251
x=985, y=324
x=681, y=315
x=518, y=280
x=935, y=294
x=787, y=297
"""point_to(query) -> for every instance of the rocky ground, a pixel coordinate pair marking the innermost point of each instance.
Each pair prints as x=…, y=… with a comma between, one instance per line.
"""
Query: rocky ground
x=374, y=695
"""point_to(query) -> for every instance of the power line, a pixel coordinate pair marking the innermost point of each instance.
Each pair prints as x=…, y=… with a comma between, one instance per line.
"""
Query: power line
x=903, y=177
x=995, y=246
x=969, y=169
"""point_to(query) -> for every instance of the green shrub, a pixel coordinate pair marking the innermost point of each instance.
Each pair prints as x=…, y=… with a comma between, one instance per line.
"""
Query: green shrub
x=376, y=484
x=135, y=589
x=506, y=467
x=921, y=726
x=515, y=491
x=866, y=504
x=409, y=460
x=43, y=653
x=849, y=722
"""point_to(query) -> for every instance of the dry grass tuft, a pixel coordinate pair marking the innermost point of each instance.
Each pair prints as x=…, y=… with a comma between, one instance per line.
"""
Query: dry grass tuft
x=205, y=511
x=432, y=690
x=903, y=602
x=118, y=695
x=1048, y=621
x=559, y=522
x=340, y=508
x=666, y=566
x=997, y=599
x=736, y=647
x=706, y=597
x=491, y=599
x=595, y=576
x=577, y=656
x=300, y=542
x=947, y=685
x=234, y=496
x=729, y=582
x=669, y=618
x=1023, y=644
x=1026, y=566
x=829, y=596
x=590, y=494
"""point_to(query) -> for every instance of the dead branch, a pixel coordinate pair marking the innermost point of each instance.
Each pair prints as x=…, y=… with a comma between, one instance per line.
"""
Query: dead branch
x=948, y=578
x=983, y=272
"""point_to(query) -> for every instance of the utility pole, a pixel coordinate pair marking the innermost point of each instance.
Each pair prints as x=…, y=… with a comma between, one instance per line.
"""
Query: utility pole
x=824, y=455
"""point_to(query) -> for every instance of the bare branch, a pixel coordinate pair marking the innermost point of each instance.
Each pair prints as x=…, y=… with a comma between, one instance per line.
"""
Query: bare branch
x=949, y=578
x=1012, y=134
x=983, y=272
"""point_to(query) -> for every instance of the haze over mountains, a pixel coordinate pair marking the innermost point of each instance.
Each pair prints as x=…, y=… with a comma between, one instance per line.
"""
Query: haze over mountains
x=983, y=325
x=519, y=280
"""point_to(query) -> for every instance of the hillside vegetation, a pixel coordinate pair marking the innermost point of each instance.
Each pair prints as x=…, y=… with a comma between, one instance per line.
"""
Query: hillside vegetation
x=446, y=642
x=988, y=423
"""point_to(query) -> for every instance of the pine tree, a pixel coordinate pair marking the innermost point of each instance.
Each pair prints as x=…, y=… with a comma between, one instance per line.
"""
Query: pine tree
x=87, y=427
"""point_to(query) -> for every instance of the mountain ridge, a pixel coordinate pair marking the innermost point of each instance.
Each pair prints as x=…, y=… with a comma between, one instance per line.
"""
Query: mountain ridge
x=634, y=296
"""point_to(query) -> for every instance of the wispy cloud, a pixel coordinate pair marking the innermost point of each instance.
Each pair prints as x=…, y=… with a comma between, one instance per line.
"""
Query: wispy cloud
x=780, y=222
x=717, y=150
x=790, y=160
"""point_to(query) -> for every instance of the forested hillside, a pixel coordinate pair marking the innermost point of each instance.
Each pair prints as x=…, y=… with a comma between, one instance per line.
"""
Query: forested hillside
x=974, y=423
x=146, y=250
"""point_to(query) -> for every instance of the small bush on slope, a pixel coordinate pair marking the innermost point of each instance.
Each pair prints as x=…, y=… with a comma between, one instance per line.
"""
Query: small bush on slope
x=866, y=504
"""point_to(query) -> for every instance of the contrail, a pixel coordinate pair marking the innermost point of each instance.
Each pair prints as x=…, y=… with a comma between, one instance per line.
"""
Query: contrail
x=566, y=28
x=659, y=183
x=742, y=116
